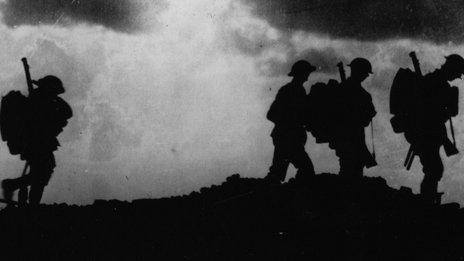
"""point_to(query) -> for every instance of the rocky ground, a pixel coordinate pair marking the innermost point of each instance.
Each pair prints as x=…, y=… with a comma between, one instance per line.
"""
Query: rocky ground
x=241, y=219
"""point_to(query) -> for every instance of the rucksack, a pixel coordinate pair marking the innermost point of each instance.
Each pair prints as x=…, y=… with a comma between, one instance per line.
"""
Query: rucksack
x=322, y=109
x=13, y=112
x=405, y=95
x=18, y=126
x=402, y=92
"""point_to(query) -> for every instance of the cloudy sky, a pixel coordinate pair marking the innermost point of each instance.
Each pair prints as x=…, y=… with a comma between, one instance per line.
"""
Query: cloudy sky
x=170, y=95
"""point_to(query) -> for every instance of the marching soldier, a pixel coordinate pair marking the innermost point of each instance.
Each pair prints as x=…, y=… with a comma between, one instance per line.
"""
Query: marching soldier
x=289, y=133
x=355, y=113
x=46, y=116
x=435, y=103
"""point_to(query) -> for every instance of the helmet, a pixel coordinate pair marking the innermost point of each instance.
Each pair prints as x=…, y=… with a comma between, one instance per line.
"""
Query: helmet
x=456, y=62
x=51, y=83
x=301, y=66
x=362, y=64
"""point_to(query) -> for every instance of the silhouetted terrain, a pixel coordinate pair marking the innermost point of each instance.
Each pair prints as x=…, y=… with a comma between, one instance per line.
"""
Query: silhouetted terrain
x=243, y=220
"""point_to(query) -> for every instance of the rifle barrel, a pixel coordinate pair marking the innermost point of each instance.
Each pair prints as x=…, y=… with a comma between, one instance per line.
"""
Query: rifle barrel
x=28, y=75
x=452, y=131
x=341, y=70
x=23, y=191
x=411, y=160
x=408, y=156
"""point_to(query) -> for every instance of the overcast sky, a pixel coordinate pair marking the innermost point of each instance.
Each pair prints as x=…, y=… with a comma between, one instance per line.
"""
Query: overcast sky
x=171, y=96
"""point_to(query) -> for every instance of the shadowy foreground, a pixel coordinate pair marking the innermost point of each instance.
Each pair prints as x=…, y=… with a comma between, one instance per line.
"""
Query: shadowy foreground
x=243, y=220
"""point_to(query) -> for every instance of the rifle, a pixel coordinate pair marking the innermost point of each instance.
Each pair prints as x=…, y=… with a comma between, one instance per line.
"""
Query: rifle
x=23, y=191
x=341, y=70
x=450, y=148
x=370, y=158
x=411, y=154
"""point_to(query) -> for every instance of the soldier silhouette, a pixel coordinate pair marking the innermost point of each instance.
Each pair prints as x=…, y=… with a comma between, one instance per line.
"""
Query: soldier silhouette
x=355, y=113
x=289, y=133
x=45, y=117
x=434, y=102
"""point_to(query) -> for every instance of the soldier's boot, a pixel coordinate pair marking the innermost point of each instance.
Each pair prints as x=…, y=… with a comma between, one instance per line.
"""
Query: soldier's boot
x=305, y=173
x=35, y=194
x=272, y=179
x=426, y=199
x=428, y=190
x=305, y=177
x=277, y=172
x=432, y=199
x=438, y=198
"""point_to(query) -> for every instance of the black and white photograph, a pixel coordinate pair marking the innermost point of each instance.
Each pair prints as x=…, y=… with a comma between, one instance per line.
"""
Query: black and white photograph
x=231, y=130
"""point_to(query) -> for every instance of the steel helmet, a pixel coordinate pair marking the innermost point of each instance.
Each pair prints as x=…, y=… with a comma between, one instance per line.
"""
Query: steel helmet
x=455, y=62
x=51, y=83
x=301, y=66
x=362, y=64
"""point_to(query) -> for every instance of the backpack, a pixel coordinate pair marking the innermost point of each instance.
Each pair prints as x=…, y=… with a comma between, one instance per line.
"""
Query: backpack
x=402, y=92
x=405, y=95
x=17, y=126
x=322, y=109
x=452, y=101
x=13, y=112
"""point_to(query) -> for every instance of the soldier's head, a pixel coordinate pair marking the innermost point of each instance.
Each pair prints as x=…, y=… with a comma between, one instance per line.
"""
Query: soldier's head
x=50, y=84
x=360, y=69
x=301, y=70
x=453, y=68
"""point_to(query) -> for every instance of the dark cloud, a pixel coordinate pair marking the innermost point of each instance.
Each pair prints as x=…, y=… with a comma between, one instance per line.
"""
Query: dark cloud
x=436, y=21
x=119, y=15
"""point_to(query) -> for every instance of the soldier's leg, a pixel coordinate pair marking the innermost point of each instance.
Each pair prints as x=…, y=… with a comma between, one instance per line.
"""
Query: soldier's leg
x=41, y=172
x=348, y=160
x=358, y=163
x=344, y=162
x=302, y=162
x=35, y=194
x=432, y=167
x=280, y=163
x=19, y=182
x=356, y=157
x=9, y=186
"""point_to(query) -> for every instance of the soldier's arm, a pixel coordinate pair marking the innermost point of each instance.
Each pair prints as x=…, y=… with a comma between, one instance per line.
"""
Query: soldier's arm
x=280, y=107
x=64, y=113
x=371, y=108
x=368, y=111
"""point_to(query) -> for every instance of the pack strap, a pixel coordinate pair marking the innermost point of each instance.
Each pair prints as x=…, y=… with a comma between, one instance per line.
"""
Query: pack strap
x=372, y=138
